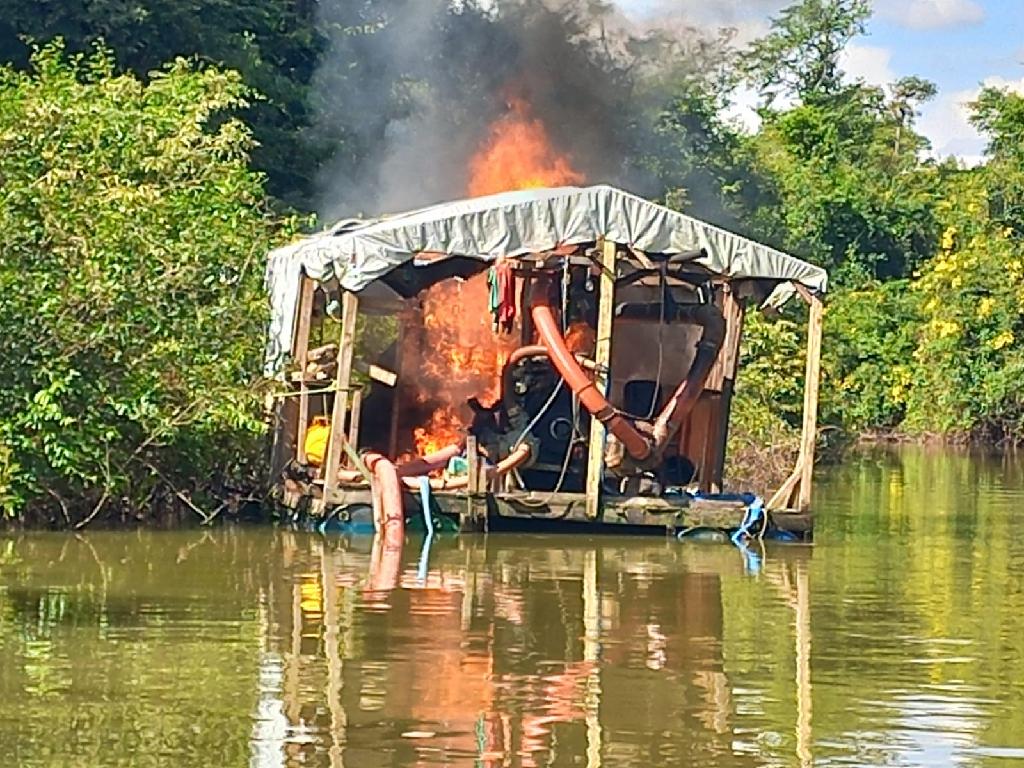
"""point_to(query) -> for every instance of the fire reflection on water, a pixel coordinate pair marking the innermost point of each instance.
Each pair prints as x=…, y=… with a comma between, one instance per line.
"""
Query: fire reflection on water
x=467, y=667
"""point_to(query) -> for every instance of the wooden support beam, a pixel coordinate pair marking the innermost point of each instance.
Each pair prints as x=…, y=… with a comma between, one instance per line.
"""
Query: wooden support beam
x=300, y=352
x=397, y=391
x=353, y=419
x=474, y=514
x=473, y=465
x=602, y=356
x=728, y=360
x=781, y=499
x=346, y=349
x=812, y=377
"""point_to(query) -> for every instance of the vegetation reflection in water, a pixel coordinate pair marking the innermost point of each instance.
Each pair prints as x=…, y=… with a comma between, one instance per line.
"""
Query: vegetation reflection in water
x=896, y=640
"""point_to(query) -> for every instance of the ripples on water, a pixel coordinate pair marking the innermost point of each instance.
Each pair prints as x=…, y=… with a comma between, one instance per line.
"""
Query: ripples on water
x=898, y=639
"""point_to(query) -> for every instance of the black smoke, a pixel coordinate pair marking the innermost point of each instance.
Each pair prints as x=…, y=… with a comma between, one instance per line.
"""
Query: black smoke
x=407, y=89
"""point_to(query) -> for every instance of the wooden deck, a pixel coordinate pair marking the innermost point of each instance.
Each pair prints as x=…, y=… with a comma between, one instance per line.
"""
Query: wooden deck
x=540, y=511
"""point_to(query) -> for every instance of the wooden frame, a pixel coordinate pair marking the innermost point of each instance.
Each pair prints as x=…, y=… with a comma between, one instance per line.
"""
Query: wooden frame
x=800, y=482
x=602, y=356
x=707, y=426
x=342, y=386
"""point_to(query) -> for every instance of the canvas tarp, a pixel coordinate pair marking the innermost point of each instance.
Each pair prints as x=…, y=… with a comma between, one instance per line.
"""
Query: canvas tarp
x=512, y=224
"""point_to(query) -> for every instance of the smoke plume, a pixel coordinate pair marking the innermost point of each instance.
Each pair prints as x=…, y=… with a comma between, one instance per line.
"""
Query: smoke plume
x=407, y=89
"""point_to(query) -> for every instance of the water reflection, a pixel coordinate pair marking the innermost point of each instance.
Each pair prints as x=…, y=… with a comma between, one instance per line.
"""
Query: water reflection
x=896, y=640
x=527, y=653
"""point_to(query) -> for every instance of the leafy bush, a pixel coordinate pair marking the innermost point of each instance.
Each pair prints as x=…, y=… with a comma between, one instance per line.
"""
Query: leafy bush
x=133, y=236
x=968, y=362
x=867, y=355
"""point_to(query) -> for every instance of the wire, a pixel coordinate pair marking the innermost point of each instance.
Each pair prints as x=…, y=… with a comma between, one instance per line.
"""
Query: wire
x=561, y=382
x=533, y=422
x=565, y=462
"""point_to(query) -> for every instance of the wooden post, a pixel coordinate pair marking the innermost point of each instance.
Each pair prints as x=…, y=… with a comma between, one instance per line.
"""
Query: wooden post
x=346, y=349
x=470, y=520
x=300, y=351
x=812, y=375
x=396, y=392
x=728, y=358
x=602, y=356
x=472, y=466
x=353, y=419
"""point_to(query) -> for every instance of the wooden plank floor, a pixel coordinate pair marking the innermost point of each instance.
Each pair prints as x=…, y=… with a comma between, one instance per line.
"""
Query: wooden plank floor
x=539, y=509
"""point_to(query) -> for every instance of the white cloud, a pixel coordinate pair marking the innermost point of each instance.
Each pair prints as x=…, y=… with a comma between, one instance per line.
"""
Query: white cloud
x=742, y=109
x=870, y=63
x=946, y=123
x=930, y=14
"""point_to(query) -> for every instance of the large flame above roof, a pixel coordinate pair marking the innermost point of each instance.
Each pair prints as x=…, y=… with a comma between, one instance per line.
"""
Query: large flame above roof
x=518, y=154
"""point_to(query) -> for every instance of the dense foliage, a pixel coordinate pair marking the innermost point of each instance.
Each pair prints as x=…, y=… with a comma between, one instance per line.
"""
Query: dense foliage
x=132, y=234
x=133, y=219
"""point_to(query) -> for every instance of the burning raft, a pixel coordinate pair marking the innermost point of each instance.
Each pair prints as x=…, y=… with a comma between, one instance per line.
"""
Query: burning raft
x=550, y=357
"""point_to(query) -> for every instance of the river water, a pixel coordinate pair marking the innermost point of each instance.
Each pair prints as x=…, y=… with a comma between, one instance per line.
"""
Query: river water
x=897, y=639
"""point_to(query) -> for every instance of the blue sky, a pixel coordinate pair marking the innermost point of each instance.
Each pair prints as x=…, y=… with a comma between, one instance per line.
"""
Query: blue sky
x=958, y=44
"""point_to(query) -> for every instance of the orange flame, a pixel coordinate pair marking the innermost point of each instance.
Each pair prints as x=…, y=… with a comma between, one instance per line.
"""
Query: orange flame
x=518, y=155
x=457, y=356
x=456, y=353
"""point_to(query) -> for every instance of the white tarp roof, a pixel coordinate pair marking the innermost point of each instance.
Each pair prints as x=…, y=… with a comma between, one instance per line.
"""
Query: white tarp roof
x=513, y=224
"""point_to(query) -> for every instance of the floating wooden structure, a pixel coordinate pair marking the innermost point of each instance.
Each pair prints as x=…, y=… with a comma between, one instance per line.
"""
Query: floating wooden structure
x=627, y=431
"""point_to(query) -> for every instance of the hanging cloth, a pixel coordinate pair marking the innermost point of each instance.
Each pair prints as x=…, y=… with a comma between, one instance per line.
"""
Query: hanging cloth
x=502, y=300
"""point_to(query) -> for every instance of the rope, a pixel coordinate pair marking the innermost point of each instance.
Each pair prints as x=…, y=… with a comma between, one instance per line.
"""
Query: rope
x=752, y=516
x=565, y=462
x=428, y=522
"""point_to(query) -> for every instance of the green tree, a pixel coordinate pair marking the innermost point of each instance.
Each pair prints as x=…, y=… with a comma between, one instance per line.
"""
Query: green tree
x=965, y=365
x=799, y=57
x=133, y=235
x=273, y=43
x=1000, y=115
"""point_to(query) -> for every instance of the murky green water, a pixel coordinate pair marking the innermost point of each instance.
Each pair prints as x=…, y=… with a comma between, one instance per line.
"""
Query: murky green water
x=897, y=640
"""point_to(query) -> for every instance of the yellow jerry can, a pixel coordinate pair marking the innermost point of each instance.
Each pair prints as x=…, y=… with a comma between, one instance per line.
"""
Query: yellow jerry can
x=317, y=434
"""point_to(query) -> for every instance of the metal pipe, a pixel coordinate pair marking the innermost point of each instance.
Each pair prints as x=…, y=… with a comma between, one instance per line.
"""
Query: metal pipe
x=432, y=462
x=513, y=461
x=547, y=328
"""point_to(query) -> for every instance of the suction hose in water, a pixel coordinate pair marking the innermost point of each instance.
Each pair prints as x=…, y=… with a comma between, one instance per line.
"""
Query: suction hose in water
x=388, y=512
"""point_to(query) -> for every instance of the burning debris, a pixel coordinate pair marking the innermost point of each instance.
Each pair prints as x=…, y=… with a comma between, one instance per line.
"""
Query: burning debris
x=452, y=352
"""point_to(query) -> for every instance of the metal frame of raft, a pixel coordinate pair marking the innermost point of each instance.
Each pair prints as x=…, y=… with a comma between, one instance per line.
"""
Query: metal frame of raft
x=485, y=501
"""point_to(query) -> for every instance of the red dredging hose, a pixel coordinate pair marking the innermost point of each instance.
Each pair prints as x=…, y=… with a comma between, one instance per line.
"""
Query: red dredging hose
x=388, y=510
x=432, y=462
x=641, y=448
x=513, y=461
